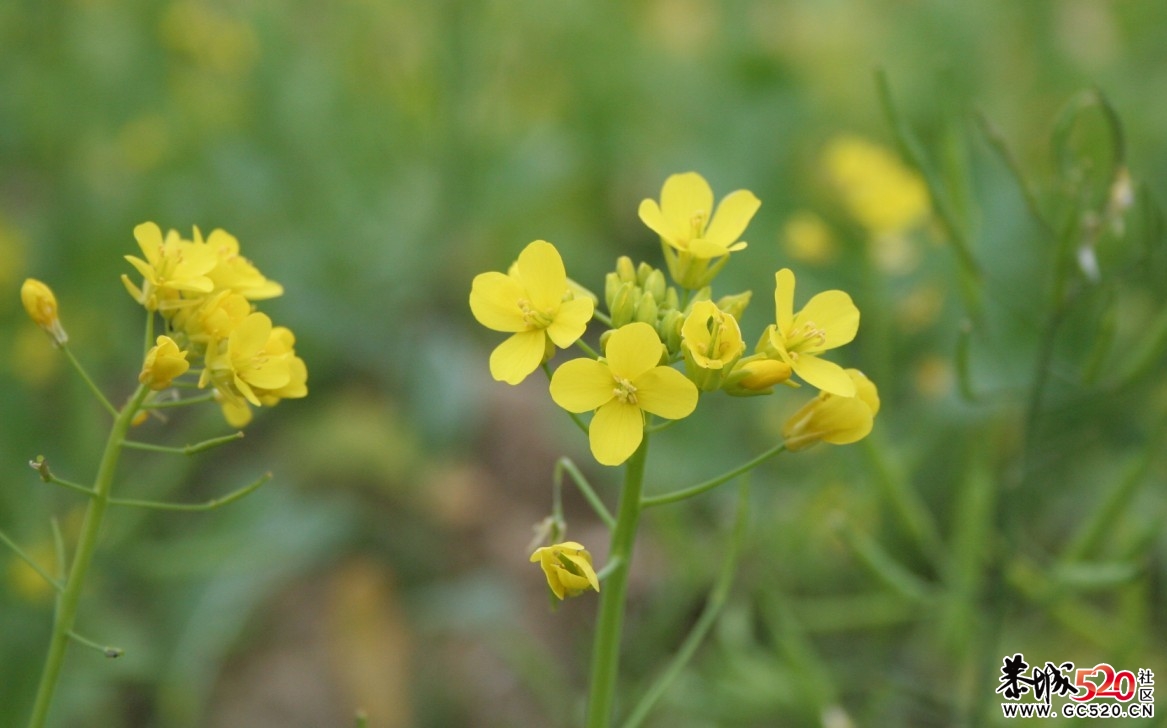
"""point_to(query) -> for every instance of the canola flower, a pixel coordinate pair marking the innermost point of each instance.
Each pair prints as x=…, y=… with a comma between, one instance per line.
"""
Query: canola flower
x=877, y=190
x=568, y=568
x=828, y=320
x=620, y=389
x=164, y=363
x=41, y=306
x=696, y=239
x=712, y=344
x=834, y=419
x=535, y=304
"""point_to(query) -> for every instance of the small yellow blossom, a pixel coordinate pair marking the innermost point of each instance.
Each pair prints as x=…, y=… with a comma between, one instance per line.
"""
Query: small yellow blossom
x=834, y=419
x=234, y=272
x=41, y=305
x=257, y=364
x=535, y=304
x=712, y=343
x=806, y=238
x=214, y=319
x=164, y=362
x=828, y=320
x=173, y=267
x=881, y=193
x=621, y=388
x=696, y=239
x=568, y=567
x=757, y=374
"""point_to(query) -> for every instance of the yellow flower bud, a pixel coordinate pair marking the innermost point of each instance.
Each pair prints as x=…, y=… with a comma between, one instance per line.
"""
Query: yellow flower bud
x=568, y=568
x=164, y=362
x=762, y=374
x=41, y=305
x=834, y=419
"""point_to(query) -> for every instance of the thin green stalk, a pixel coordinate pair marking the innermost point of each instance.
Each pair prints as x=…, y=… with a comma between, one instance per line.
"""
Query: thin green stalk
x=210, y=397
x=185, y=449
x=29, y=560
x=606, y=648
x=89, y=381
x=110, y=652
x=66, y=611
x=587, y=349
x=205, y=506
x=565, y=465
x=708, y=616
x=678, y=495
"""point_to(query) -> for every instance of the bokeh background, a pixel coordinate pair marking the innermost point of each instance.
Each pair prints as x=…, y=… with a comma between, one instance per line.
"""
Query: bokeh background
x=374, y=156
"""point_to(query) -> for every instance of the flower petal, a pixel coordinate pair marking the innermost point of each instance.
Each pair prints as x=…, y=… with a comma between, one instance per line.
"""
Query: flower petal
x=582, y=385
x=616, y=432
x=512, y=360
x=149, y=237
x=733, y=214
x=571, y=321
x=784, y=298
x=249, y=337
x=666, y=392
x=682, y=197
x=835, y=314
x=651, y=215
x=825, y=375
x=541, y=273
x=494, y=301
x=633, y=350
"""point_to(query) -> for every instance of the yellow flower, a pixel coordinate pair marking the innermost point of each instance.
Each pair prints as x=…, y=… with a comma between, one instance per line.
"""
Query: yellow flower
x=41, y=306
x=164, y=362
x=696, y=240
x=621, y=388
x=828, y=320
x=712, y=343
x=807, y=238
x=256, y=359
x=533, y=302
x=568, y=567
x=834, y=419
x=173, y=268
x=214, y=319
x=877, y=189
x=233, y=271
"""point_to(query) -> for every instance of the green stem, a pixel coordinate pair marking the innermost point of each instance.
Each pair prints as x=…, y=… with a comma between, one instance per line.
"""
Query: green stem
x=29, y=560
x=565, y=465
x=587, y=349
x=606, y=648
x=89, y=381
x=180, y=402
x=678, y=495
x=110, y=652
x=185, y=449
x=66, y=611
x=205, y=506
x=708, y=616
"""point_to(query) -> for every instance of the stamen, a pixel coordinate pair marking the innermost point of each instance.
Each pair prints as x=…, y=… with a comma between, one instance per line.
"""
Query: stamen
x=624, y=391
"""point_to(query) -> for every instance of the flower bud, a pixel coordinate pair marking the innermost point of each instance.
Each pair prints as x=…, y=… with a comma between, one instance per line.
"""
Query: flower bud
x=646, y=309
x=735, y=305
x=643, y=271
x=164, y=362
x=834, y=419
x=669, y=330
x=41, y=305
x=756, y=375
x=656, y=285
x=611, y=285
x=623, y=308
x=568, y=568
x=625, y=270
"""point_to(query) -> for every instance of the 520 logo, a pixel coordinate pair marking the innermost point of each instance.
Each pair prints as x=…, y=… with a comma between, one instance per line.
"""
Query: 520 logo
x=1114, y=690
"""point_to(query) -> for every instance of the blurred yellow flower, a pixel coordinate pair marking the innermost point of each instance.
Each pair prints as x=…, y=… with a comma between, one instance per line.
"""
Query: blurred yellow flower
x=834, y=419
x=881, y=193
x=172, y=267
x=164, y=362
x=621, y=388
x=807, y=238
x=533, y=302
x=697, y=240
x=256, y=365
x=712, y=343
x=829, y=319
x=568, y=568
x=41, y=306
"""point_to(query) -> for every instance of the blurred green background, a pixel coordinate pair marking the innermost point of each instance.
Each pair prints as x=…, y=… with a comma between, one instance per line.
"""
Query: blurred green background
x=374, y=156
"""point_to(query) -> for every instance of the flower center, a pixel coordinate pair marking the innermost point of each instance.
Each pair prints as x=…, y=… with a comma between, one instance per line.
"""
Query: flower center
x=697, y=224
x=533, y=317
x=806, y=337
x=624, y=391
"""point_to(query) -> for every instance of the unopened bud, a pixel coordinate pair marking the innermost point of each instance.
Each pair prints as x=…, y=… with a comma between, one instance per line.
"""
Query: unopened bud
x=623, y=308
x=646, y=309
x=643, y=271
x=735, y=305
x=655, y=284
x=625, y=269
x=41, y=305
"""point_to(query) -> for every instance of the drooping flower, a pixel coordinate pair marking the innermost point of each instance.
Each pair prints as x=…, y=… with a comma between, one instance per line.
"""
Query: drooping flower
x=621, y=388
x=696, y=239
x=834, y=419
x=173, y=268
x=712, y=343
x=535, y=304
x=568, y=568
x=164, y=362
x=828, y=320
x=41, y=306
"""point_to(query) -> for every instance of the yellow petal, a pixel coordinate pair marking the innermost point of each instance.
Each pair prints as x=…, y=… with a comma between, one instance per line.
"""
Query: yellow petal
x=541, y=273
x=249, y=338
x=616, y=432
x=582, y=385
x=865, y=390
x=835, y=314
x=666, y=392
x=149, y=237
x=684, y=196
x=494, y=301
x=633, y=350
x=705, y=249
x=571, y=322
x=650, y=215
x=512, y=360
x=784, y=298
x=825, y=375
x=733, y=215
